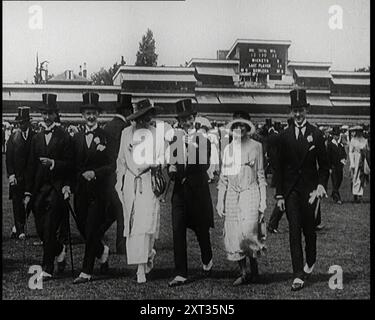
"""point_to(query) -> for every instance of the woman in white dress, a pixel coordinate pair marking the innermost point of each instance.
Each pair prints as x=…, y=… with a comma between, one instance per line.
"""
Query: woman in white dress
x=242, y=199
x=358, y=164
x=139, y=152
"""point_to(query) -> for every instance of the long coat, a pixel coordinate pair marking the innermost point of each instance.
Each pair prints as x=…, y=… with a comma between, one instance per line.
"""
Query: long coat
x=59, y=149
x=113, y=130
x=191, y=185
x=95, y=158
x=17, y=155
x=300, y=168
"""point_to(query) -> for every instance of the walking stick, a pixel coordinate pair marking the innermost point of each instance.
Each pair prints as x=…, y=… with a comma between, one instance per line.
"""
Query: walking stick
x=70, y=210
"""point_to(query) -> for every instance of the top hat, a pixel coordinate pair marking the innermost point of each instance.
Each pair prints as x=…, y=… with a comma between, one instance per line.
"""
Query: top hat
x=141, y=108
x=298, y=99
x=269, y=123
x=241, y=115
x=23, y=114
x=49, y=103
x=185, y=108
x=335, y=131
x=124, y=102
x=90, y=101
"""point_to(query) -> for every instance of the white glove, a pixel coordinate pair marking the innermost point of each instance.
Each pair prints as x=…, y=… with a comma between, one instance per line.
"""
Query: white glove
x=66, y=192
x=220, y=203
x=12, y=180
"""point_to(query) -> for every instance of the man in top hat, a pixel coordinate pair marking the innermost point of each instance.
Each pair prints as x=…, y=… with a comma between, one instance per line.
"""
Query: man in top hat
x=301, y=170
x=49, y=164
x=336, y=160
x=89, y=182
x=17, y=154
x=191, y=198
x=113, y=129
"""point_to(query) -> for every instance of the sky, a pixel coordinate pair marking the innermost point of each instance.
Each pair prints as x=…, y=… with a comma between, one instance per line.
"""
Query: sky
x=100, y=32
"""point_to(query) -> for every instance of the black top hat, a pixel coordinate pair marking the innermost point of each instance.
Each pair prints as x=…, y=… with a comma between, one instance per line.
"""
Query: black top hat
x=49, y=102
x=269, y=123
x=90, y=101
x=23, y=114
x=124, y=102
x=141, y=108
x=185, y=108
x=335, y=131
x=241, y=115
x=298, y=99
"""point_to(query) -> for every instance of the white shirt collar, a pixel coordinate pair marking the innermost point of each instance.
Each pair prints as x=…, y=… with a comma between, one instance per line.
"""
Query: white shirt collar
x=121, y=117
x=87, y=129
x=51, y=126
x=302, y=125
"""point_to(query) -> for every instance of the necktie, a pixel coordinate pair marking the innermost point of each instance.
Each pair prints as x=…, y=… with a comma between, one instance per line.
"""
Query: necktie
x=300, y=134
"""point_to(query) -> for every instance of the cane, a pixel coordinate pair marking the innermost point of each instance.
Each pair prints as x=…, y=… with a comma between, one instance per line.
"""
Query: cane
x=70, y=235
x=317, y=208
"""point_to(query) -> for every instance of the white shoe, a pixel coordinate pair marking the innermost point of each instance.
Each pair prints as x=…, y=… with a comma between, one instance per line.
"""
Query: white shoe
x=207, y=267
x=308, y=270
x=61, y=256
x=105, y=255
x=141, y=277
x=22, y=236
x=150, y=262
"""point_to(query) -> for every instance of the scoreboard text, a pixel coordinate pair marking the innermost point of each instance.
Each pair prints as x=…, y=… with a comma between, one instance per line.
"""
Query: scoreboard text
x=263, y=61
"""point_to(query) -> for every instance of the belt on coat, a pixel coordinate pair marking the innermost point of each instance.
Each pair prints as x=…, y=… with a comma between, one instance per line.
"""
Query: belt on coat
x=137, y=178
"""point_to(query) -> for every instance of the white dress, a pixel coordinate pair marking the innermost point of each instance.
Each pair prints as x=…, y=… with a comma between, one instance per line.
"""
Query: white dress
x=242, y=189
x=355, y=147
x=141, y=207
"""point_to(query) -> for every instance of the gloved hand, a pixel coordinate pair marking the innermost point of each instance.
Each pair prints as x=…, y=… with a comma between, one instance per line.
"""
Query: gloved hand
x=220, y=203
x=262, y=205
x=12, y=180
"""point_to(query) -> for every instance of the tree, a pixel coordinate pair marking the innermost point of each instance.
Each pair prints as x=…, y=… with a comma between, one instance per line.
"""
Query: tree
x=363, y=69
x=105, y=77
x=146, y=55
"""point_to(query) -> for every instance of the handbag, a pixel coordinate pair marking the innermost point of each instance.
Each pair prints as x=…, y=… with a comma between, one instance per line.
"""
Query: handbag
x=158, y=182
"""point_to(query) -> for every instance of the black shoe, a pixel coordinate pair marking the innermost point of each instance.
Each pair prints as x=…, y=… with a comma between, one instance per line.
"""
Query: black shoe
x=61, y=266
x=338, y=202
x=206, y=273
x=80, y=280
x=104, y=267
x=176, y=283
x=319, y=227
x=254, y=278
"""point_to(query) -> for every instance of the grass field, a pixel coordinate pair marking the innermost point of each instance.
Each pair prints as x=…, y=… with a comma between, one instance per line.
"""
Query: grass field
x=345, y=242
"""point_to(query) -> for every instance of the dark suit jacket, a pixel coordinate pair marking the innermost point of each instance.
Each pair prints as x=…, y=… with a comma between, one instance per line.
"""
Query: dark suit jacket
x=113, y=130
x=300, y=166
x=17, y=154
x=86, y=159
x=59, y=149
x=191, y=185
x=335, y=154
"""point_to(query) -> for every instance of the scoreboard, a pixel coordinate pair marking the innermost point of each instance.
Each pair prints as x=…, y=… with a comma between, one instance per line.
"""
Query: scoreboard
x=262, y=61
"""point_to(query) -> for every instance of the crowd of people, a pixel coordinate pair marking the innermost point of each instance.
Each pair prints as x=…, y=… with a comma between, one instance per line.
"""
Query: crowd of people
x=114, y=173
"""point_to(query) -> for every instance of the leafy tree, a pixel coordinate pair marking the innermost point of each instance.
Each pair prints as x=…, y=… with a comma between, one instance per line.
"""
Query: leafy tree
x=364, y=69
x=104, y=77
x=146, y=55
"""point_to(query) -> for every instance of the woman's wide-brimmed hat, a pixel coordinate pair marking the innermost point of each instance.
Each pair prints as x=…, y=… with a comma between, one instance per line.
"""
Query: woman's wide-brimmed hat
x=356, y=128
x=141, y=108
x=251, y=126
